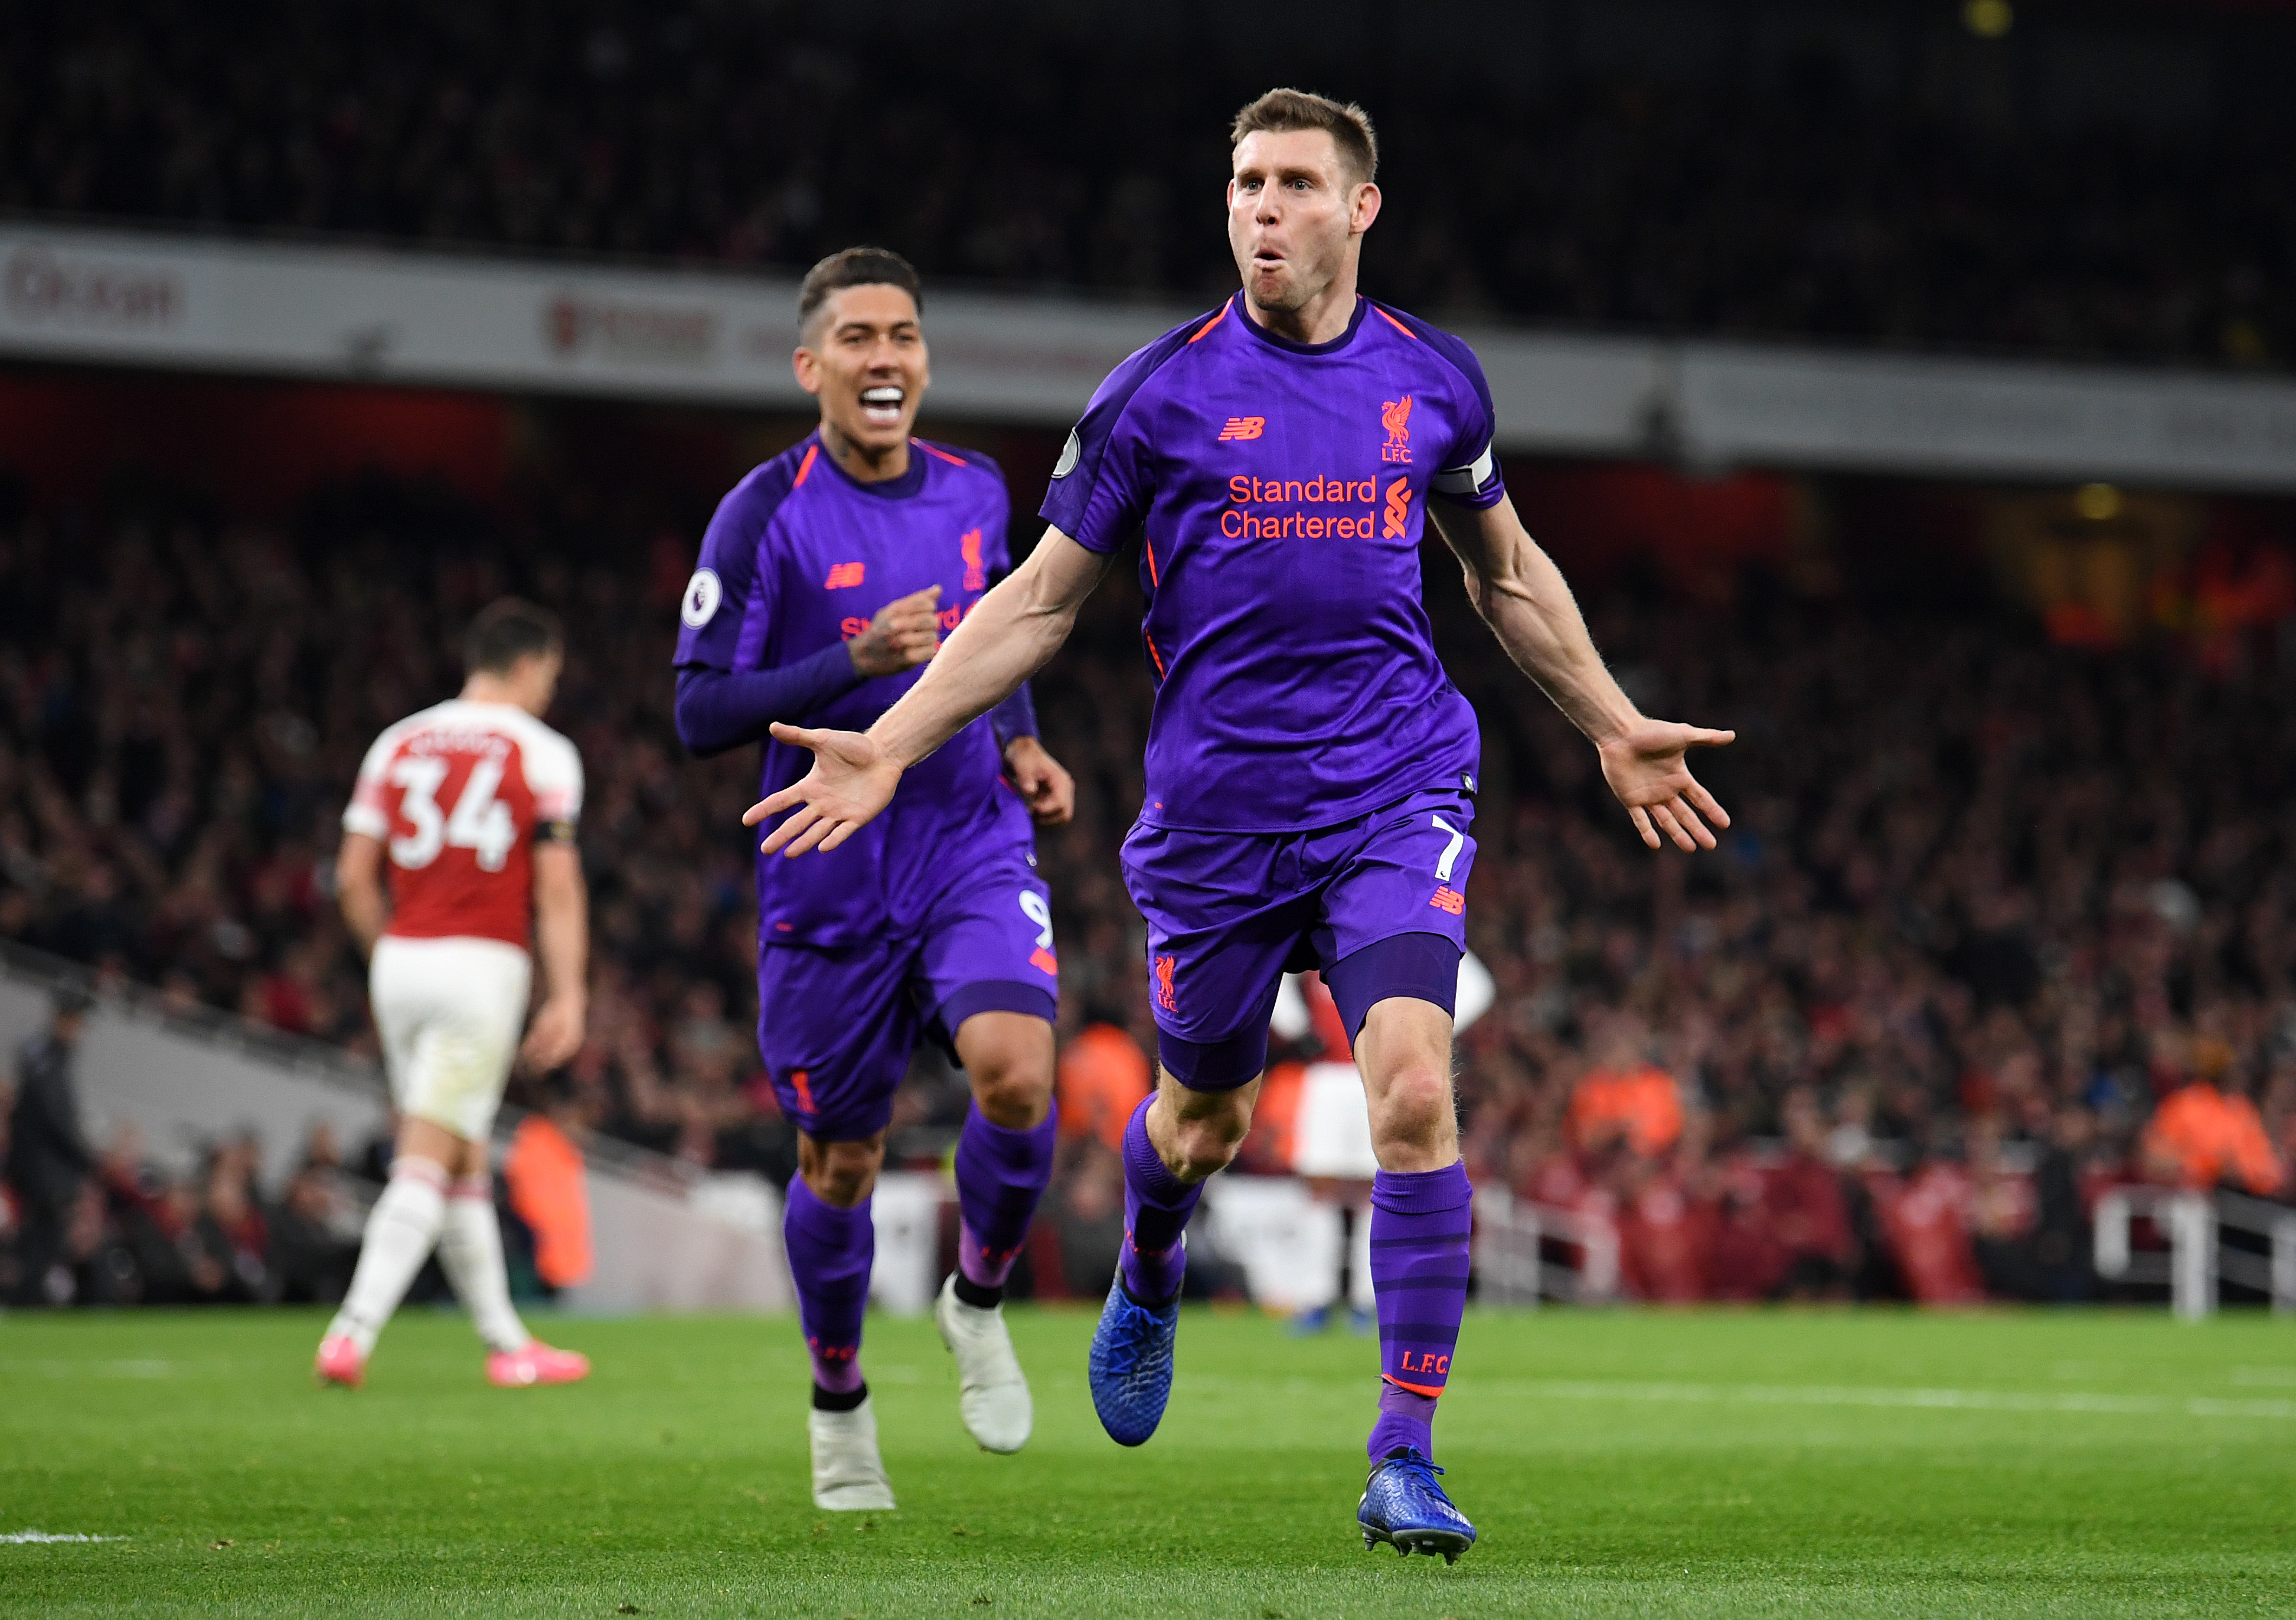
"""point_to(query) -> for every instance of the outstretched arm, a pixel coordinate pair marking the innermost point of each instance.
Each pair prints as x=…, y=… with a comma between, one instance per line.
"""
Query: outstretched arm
x=1522, y=596
x=1007, y=637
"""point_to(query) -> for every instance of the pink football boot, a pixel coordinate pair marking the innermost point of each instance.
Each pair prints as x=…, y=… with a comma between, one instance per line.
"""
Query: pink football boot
x=340, y=1362
x=535, y=1364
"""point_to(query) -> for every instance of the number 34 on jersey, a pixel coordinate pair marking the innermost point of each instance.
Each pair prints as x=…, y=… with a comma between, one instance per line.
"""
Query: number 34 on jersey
x=457, y=795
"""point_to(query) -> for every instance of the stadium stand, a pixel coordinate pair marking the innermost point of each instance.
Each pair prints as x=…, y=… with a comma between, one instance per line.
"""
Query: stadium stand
x=1988, y=900
x=2094, y=184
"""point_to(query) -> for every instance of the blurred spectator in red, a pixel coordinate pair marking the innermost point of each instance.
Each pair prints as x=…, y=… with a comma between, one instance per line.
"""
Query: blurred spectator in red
x=1749, y=1262
x=1666, y=1235
x=1803, y=1199
x=1103, y=1076
x=1626, y=1099
x=1926, y=1219
x=2202, y=1136
x=549, y=1191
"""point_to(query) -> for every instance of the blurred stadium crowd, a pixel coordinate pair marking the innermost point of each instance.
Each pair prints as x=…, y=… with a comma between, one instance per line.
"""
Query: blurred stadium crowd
x=1998, y=922
x=1803, y=201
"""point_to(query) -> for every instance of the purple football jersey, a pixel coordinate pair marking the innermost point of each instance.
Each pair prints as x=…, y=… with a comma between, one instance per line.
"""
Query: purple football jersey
x=799, y=557
x=1280, y=489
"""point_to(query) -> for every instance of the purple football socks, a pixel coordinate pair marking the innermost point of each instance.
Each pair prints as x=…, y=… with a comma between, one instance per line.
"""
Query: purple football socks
x=830, y=1253
x=1000, y=1174
x=1420, y=1224
x=1157, y=1205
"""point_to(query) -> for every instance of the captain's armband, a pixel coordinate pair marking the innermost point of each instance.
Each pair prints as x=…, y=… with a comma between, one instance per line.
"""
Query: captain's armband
x=1465, y=483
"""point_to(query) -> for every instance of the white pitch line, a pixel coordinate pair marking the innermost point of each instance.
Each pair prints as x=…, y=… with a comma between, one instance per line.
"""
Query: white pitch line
x=19, y=1537
x=2279, y=1377
x=144, y=1369
x=1958, y=1400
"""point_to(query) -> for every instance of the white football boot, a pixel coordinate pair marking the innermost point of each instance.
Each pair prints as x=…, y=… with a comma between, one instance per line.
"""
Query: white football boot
x=992, y=1394
x=847, y=1474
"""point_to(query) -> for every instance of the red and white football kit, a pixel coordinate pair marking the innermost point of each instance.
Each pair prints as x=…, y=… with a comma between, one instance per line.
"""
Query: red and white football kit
x=458, y=795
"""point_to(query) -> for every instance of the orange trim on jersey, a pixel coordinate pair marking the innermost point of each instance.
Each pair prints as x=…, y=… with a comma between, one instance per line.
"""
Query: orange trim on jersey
x=953, y=461
x=1399, y=325
x=1149, y=546
x=804, y=466
x=1215, y=321
x=1430, y=1390
x=1153, y=653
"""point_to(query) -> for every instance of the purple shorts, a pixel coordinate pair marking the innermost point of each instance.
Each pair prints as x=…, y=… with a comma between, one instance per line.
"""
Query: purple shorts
x=1377, y=904
x=837, y=1024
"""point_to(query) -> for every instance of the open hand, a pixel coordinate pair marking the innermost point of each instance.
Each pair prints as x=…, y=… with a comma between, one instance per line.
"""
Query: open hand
x=852, y=779
x=557, y=1035
x=905, y=633
x=1645, y=767
x=1045, y=786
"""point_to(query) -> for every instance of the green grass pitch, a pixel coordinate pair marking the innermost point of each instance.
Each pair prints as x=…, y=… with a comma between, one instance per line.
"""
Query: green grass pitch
x=1617, y=1463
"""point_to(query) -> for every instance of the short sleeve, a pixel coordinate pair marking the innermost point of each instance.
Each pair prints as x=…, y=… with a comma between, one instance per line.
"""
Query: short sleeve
x=1101, y=489
x=369, y=811
x=729, y=588
x=1469, y=471
x=554, y=775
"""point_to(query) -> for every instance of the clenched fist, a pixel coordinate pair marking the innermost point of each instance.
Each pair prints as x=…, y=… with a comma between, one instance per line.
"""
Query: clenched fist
x=905, y=633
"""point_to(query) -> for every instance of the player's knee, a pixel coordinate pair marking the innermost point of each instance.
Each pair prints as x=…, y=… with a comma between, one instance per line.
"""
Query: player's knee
x=1014, y=1090
x=842, y=1173
x=1414, y=1108
x=1208, y=1142
x=1008, y=1058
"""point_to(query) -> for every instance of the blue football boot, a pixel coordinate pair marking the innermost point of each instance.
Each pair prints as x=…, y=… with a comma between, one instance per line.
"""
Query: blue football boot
x=1402, y=1506
x=1132, y=1365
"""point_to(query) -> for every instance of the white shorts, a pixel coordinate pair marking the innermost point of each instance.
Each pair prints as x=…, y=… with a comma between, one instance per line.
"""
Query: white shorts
x=450, y=1012
x=1332, y=1134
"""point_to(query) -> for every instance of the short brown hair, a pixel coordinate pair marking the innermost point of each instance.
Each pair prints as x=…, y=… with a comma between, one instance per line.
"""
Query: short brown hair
x=856, y=267
x=506, y=631
x=1282, y=111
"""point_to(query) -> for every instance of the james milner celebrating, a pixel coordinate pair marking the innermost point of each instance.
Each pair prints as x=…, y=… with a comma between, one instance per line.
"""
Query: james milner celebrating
x=1311, y=771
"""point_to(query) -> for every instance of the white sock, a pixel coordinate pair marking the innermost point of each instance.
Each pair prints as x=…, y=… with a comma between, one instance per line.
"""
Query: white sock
x=1359, y=1291
x=471, y=1250
x=400, y=1233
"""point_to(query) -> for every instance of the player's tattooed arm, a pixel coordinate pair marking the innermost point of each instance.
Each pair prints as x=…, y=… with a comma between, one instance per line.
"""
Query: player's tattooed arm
x=359, y=889
x=1522, y=596
x=1009, y=635
x=903, y=635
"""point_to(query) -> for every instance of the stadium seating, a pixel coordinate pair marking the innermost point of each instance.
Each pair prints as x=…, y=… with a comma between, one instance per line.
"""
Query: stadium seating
x=1879, y=180
x=1986, y=898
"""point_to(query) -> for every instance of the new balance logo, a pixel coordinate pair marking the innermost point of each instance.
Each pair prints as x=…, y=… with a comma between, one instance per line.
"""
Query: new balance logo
x=842, y=575
x=1164, y=996
x=1242, y=427
x=1398, y=511
x=1450, y=899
